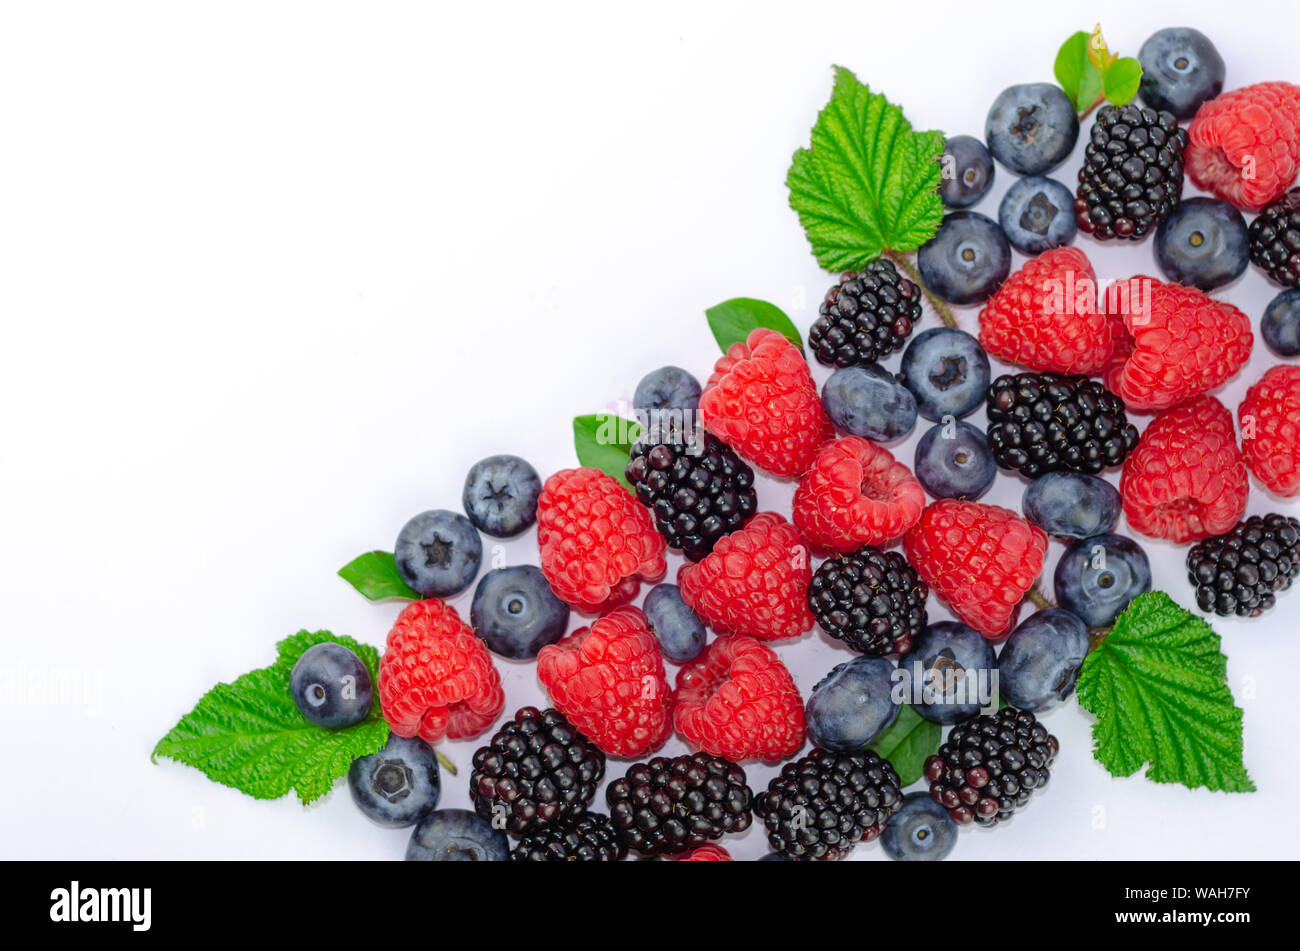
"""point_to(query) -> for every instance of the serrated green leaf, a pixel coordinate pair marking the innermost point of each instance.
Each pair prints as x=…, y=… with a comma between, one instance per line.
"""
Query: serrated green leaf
x=1122, y=80
x=733, y=320
x=1076, y=73
x=1158, y=686
x=603, y=441
x=869, y=183
x=249, y=735
x=907, y=743
x=375, y=575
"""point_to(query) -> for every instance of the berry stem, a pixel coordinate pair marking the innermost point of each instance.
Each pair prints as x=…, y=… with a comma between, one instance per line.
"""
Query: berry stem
x=1039, y=599
x=905, y=264
x=445, y=763
x=1087, y=112
x=1095, y=636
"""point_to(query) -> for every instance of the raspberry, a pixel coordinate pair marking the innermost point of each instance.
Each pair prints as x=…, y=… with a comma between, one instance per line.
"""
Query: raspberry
x=596, y=540
x=1275, y=239
x=855, y=494
x=865, y=317
x=1045, y=316
x=738, y=701
x=1270, y=433
x=1245, y=144
x=980, y=559
x=761, y=401
x=436, y=678
x=1186, y=478
x=609, y=681
x=755, y=581
x=707, y=853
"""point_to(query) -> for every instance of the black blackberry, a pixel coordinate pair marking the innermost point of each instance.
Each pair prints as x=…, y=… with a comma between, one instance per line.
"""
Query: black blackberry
x=1275, y=239
x=536, y=771
x=669, y=806
x=697, y=487
x=1047, y=422
x=872, y=600
x=991, y=765
x=589, y=837
x=1132, y=175
x=865, y=317
x=823, y=804
x=1240, y=572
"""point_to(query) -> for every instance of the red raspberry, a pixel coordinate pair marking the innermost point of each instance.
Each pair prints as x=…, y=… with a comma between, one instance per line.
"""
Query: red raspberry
x=1244, y=146
x=608, y=679
x=596, y=540
x=755, y=581
x=1185, y=480
x=980, y=559
x=436, y=678
x=855, y=494
x=707, y=853
x=761, y=401
x=737, y=700
x=1270, y=433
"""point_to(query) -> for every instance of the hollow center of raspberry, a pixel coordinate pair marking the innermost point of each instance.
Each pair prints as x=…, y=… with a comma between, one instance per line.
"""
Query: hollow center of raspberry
x=876, y=493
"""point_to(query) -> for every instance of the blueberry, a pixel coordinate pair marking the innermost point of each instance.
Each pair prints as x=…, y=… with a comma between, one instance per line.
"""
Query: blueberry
x=1097, y=577
x=1280, y=327
x=947, y=371
x=955, y=673
x=1181, y=69
x=516, y=613
x=967, y=258
x=1040, y=661
x=500, y=495
x=953, y=461
x=397, y=785
x=438, y=553
x=967, y=171
x=668, y=388
x=920, y=831
x=1037, y=214
x=773, y=857
x=456, y=835
x=868, y=402
x=679, y=630
x=1204, y=243
x=1071, y=504
x=852, y=705
x=331, y=686
x=1031, y=128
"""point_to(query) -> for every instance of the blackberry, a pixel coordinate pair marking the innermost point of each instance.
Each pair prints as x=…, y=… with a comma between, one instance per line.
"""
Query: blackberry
x=823, y=804
x=1240, y=572
x=872, y=600
x=695, y=485
x=539, y=769
x=1047, y=422
x=670, y=806
x=1275, y=239
x=990, y=766
x=589, y=837
x=865, y=317
x=1132, y=175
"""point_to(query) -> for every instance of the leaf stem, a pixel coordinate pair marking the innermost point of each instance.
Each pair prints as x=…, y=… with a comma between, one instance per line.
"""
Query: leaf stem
x=1087, y=112
x=907, y=267
x=446, y=764
x=1038, y=599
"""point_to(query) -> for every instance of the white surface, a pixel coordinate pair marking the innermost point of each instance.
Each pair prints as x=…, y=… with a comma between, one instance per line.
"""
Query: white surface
x=275, y=275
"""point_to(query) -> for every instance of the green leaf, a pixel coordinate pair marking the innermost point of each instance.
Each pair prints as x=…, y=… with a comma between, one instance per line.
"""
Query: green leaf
x=1158, y=686
x=375, y=575
x=249, y=734
x=868, y=184
x=1076, y=72
x=907, y=743
x=603, y=442
x=1122, y=79
x=732, y=320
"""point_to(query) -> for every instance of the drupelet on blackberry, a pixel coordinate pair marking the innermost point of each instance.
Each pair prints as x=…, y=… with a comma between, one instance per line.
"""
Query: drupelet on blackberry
x=669, y=806
x=1239, y=573
x=865, y=317
x=872, y=600
x=1275, y=239
x=590, y=837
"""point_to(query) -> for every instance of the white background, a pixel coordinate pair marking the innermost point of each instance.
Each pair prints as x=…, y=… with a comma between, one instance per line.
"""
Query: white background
x=272, y=276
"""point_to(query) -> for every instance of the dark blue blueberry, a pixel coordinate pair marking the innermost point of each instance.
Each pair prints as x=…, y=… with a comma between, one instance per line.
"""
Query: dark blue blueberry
x=966, y=260
x=1280, y=327
x=1031, y=128
x=967, y=171
x=1037, y=214
x=1204, y=244
x=678, y=629
x=668, y=388
x=397, y=785
x=852, y=705
x=953, y=461
x=955, y=672
x=438, y=553
x=516, y=613
x=920, y=831
x=1181, y=69
x=1097, y=577
x=947, y=371
x=1040, y=661
x=331, y=686
x=457, y=835
x=1072, y=505
x=773, y=857
x=500, y=495
x=868, y=402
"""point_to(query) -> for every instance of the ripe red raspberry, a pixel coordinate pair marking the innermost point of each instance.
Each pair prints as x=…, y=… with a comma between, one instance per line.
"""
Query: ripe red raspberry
x=755, y=581
x=1244, y=145
x=1045, y=316
x=1186, y=479
x=738, y=701
x=1180, y=343
x=608, y=679
x=436, y=678
x=707, y=853
x=855, y=494
x=1270, y=430
x=596, y=540
x=980, y=559
x=761, y=401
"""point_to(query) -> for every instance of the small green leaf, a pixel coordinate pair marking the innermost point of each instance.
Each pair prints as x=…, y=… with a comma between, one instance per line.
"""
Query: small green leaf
x=375, y=575
x=1076, y=72
x=1099, y=53
x=732, y=320
x=603, y=442
x=1122, y=79
x=907, y=743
